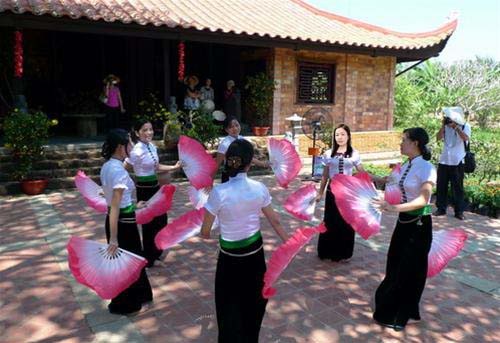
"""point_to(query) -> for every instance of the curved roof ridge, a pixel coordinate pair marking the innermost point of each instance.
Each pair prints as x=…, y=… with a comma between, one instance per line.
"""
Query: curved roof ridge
x=449, y=26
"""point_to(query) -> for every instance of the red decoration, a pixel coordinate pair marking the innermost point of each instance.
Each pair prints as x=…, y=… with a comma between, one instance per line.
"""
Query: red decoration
x=18, y=54
x=182, y=67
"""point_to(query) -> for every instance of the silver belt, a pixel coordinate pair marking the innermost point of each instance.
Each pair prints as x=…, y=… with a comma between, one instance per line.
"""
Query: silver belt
x=127, y=220
x=242, y=255
x=151, y=186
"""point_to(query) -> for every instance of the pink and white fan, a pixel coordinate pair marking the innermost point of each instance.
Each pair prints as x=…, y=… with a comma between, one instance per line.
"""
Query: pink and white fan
x=107, y=275
x=354, y=197
x=284, y=254
x=302, y=203
x=180, y=229
x=197, y=164
x=158, y=204
x=285, y=160
x=446, y=244
x=392, y=193
x=91, y=192
x=197, y=197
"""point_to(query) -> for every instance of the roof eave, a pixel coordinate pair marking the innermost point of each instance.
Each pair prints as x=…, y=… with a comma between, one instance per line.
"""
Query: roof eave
x=48, y=22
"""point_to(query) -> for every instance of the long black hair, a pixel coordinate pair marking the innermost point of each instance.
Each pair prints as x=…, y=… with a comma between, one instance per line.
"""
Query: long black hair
x=419, y=135
x=239, y=155
x=348, y=152
x=114, y=138
x=138, y=124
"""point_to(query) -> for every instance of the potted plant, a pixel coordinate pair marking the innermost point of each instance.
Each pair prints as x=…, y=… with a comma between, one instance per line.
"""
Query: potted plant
x=260, y=89
x=25, y=136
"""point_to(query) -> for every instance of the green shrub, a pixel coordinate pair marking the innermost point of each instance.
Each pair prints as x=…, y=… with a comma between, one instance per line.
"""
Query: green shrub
x=25, y=136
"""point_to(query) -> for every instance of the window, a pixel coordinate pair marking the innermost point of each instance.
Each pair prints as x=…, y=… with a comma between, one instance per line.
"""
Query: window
x=316, y=83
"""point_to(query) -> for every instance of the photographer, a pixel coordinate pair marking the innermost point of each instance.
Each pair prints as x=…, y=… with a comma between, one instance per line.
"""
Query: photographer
x=455, y=132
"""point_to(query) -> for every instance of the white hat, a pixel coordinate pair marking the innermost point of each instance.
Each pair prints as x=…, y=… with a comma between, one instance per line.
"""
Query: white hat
x=219, y=115
x=455, y=113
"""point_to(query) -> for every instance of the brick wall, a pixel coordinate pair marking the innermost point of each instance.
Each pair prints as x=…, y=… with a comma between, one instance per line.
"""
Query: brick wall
x=364, y=95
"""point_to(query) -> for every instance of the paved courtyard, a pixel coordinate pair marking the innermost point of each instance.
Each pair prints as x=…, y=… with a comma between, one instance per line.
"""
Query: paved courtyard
x=316, y=301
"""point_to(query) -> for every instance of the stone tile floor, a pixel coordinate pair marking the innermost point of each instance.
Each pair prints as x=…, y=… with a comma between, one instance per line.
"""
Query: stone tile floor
x=317, y=301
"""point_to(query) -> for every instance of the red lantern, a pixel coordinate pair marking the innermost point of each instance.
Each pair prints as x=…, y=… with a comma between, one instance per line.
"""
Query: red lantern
x=181, y=68
x=18, y=54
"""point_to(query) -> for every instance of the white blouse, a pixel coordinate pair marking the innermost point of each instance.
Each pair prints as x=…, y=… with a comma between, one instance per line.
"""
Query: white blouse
x=144, y=159
x=115, y=176
x=226, y=142
x=338, y=162
x=453, y=149
x=237, y=204
x=420, y=171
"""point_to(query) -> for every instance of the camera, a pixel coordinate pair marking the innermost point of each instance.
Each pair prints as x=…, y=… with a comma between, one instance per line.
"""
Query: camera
x=447, y=121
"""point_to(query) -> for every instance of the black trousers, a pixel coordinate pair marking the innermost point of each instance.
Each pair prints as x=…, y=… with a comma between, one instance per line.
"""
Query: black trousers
x=398, y=296
x=145, y=190
x=337, y=243
x=131, y=299
x=239, y=304
x=112, y=117
x=455, y=176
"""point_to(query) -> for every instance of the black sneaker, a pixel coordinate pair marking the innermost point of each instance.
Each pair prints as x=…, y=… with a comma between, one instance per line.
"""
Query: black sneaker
x=438, y=213
x=459, y=216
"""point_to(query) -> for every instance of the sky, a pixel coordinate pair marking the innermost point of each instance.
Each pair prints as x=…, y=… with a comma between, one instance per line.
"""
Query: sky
x=477, y=34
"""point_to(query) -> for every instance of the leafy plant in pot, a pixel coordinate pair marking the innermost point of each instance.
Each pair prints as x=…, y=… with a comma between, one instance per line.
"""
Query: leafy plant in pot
x=25, y=136
x=260, y=89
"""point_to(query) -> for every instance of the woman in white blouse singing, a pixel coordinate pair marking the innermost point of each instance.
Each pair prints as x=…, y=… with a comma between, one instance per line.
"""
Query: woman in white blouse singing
x=237, y=204
x=398, y=296
x=121, y=228
x=337, y=243
x=146, y=164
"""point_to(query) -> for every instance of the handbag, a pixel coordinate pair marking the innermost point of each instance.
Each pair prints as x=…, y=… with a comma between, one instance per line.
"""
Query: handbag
x=103, y=98
x=469, y=159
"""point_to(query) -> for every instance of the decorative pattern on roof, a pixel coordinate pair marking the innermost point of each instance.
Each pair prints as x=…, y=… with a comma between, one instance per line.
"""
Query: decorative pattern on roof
x=279, y=19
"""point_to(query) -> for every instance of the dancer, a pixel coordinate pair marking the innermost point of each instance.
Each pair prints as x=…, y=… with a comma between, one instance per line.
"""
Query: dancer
x=233, y=129
x=337, y=243
x=397, y=298
x=121, y=228
x=237, y=204
x=145, y=163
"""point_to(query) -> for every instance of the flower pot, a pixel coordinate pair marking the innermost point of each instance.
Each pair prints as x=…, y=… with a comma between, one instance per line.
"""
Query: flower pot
x=313, y=151
x=260, y=130
x=34, y=187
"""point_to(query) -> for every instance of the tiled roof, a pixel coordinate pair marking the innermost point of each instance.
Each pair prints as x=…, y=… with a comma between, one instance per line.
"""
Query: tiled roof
x=285, y=19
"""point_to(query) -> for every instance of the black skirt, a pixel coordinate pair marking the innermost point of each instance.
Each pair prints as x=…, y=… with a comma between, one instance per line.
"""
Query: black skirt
x=145, y=190
x=398, y=296
x=239, y=304
x=131, y=299
x=337, y=243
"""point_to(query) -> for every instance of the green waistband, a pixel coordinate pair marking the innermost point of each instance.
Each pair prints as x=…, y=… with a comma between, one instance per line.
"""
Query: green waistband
x=240, y=244
x=424, y=211
x=147, y=178
x=129, y=209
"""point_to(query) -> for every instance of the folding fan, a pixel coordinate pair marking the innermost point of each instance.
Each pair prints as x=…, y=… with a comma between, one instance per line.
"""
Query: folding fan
x=91, y=192
x=159, y=204
x=301, y=204
x=285, y=160
x=392, y=193
x=354, y=197
x=198, y=166
x=446, y=244
x=94, y=267
x=284, y=254
x=180, y=229
x=198, y=198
